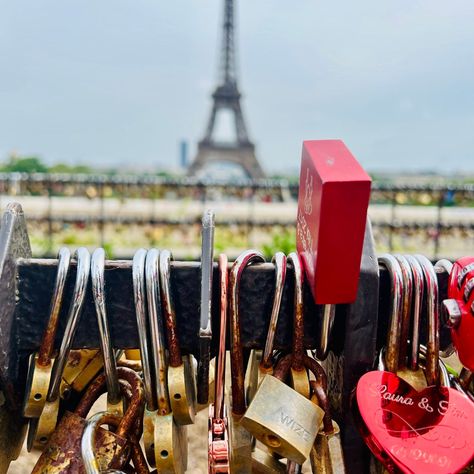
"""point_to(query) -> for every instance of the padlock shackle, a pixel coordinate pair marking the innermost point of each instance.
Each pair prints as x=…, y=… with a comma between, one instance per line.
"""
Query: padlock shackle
x=169, y=313
x=418, y=292
x=432, y=306
x=279, y=260
x=157, y=338
x=236, y=353
x=83, y=258
x=88, y=438
x=98, y=292
x=323, y=401
x=139, y=294
x=46, y=348
x=396, y=291
x=128, y=380
x=316, y=368
x=406, y=315
x=283, y=367
x=219, y=378
x=298, y=350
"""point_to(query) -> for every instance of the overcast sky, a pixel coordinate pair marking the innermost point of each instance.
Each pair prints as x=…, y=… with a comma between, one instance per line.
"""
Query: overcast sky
x=122, y=82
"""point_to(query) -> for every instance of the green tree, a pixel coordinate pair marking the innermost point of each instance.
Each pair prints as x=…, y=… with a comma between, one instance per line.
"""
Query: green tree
x=27, y=164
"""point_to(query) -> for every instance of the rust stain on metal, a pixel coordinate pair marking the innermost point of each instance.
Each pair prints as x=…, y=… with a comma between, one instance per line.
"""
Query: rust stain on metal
x=174, y=348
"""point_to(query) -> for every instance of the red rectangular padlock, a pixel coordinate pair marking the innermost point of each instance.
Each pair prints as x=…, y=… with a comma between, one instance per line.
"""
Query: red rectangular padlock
x=332, y=212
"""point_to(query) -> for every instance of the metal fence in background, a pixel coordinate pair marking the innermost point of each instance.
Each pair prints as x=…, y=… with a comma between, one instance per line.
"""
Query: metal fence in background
x=428, y=213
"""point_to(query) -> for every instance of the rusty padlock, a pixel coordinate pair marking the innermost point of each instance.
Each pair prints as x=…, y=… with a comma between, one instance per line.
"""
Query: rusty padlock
x=114, y=397
x=181, y=369
x=241, y=453
x=41, y=428
x=218, y=425
x=62, y=454
x=41, y=363
x=164, y=440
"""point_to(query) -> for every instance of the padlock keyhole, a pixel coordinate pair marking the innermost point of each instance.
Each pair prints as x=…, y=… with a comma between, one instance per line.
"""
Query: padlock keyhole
x=273, y=441
x=164, y=453
x=38, y=396
x=177, y=396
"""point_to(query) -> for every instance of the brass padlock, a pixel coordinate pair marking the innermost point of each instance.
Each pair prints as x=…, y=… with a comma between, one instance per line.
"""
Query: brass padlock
x=181, y=369
x=41, y=428
x=62, y=454
x=263, y=462
x=114, y=397
x=241, y=452
x=281, y=418
x=326, y=455
x=41, y=363
x=165, y=442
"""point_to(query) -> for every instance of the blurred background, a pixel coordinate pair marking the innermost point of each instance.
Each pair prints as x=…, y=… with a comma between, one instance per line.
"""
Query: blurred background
x=121, y=122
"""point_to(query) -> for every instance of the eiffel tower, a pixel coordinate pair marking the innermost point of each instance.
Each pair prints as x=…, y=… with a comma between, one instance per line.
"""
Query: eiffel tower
x=226, y=96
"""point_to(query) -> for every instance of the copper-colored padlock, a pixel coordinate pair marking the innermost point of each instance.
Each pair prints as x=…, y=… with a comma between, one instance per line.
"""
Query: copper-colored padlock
x=62, y=454
x=41, y=364
x=218, y=425
x=241, y=439
x=181, y=369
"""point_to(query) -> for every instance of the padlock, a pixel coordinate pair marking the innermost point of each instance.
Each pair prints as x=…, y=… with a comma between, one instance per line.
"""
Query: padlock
x=458, y=309
x=114, y=397
x=218, y=425
x=393, y=417
x=41, y=364
x=241, y=453
x=88, y=441
x=165, y=442
x=266, y=362
x=264, y=462
x=61, y=455
x=298, y=373
x=281, y=418
x=181, y=370
x=41, y=428
x=81, y=368
x=326, y=454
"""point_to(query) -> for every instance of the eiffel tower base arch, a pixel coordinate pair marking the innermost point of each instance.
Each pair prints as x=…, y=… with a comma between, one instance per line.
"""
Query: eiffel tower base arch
x=244, y=156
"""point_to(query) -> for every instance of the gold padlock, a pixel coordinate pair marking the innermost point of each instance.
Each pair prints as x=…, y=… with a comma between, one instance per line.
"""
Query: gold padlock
x=165, y=442
x=181, y=369
x=41, y=364
x=263, y=462
x=281, y=418
x=41, y=428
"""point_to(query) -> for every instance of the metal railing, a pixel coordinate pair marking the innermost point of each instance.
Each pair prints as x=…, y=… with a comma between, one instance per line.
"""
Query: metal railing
x=101, y=188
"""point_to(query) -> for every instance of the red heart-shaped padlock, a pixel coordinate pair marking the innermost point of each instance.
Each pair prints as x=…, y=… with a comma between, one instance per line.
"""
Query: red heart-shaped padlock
x=460, y=311
x=427, y=431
